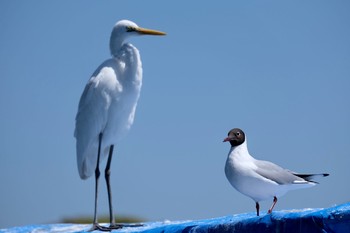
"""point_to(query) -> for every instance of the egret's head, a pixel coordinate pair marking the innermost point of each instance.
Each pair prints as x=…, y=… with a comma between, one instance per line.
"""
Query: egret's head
x=123, y=29
x=126, y=28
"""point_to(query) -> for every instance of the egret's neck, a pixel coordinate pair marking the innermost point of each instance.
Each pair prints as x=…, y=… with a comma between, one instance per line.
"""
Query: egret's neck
x=115, y=46
x=128, y=58
x=116, y=41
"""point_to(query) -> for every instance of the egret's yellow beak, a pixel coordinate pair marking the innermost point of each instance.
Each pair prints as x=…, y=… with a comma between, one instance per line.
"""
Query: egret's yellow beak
x=145, y=31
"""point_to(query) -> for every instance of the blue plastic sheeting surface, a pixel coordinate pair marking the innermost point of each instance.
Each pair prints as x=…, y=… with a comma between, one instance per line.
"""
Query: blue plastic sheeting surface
x=334, y=219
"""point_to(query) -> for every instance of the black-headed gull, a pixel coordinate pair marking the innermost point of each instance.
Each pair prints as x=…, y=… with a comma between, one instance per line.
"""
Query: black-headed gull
x=258, y=179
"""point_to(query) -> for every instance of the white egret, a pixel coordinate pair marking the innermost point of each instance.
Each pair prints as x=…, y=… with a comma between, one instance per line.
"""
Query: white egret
x=107, y=108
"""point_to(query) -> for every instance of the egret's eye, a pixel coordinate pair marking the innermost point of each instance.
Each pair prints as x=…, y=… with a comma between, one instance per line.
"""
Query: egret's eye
x=130, y=29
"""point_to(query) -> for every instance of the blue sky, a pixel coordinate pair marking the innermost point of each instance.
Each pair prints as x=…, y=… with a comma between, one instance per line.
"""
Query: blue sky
x=280, y=70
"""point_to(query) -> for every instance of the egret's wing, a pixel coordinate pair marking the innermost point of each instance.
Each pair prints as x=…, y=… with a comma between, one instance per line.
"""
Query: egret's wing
x=276, y=173
x=92, y=117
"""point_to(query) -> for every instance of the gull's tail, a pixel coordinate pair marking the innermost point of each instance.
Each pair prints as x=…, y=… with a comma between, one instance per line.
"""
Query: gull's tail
x=310, y=177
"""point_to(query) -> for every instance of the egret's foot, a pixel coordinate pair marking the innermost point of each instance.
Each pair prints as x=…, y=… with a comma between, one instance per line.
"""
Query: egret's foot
x=129, y=225
x=121, y=225
x=114, y=226
x=98, y=227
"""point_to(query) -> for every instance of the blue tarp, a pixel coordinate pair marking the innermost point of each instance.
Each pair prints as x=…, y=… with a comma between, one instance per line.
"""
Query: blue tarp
x=334, y=219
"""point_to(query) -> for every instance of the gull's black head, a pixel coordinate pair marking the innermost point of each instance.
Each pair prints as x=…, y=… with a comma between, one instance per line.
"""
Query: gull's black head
x=236, y=137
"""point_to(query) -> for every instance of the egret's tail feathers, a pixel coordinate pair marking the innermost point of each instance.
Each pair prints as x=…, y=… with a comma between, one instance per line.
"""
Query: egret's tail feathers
x=310, y=177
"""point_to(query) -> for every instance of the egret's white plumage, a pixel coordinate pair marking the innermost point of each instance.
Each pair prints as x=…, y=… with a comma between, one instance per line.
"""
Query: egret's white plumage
x=108, y=103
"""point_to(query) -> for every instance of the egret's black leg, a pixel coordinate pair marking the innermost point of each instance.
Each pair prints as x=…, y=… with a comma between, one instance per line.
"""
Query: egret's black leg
x=257, y=206
x=273, y=204
x=95, y=225
x=112, y=225
x=107, y=176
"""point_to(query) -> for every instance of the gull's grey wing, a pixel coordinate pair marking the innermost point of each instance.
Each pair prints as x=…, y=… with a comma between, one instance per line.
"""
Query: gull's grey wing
x=276, y=173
